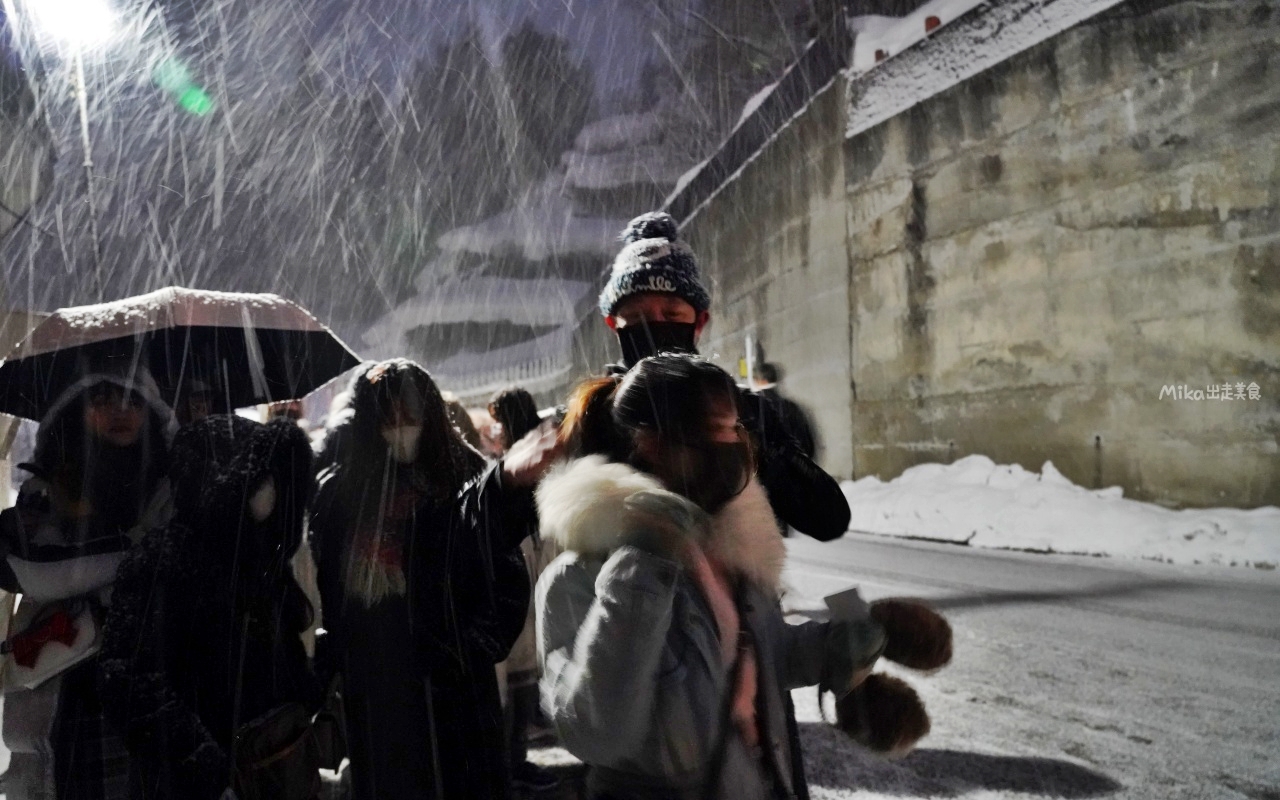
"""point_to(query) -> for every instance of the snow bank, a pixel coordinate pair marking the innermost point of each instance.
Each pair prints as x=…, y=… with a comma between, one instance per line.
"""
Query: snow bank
x=984, y=504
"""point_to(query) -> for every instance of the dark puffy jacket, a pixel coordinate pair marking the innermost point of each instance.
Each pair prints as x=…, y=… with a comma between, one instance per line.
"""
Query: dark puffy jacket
x=204, y=632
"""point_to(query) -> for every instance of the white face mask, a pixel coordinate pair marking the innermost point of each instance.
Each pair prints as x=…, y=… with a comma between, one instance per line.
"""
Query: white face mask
x=403, y=442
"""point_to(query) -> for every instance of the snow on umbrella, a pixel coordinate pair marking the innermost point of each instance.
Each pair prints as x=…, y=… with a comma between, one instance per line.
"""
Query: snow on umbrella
x=243, y=349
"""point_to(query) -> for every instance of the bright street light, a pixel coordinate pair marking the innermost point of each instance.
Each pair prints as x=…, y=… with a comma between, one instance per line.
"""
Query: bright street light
x=73, y=23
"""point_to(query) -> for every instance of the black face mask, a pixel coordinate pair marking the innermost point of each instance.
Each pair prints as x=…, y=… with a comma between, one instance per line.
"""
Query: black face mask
x=644, y=339
x=722, y=472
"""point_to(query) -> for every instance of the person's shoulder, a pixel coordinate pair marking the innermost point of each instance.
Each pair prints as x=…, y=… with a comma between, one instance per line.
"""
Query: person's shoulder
x=570, y=570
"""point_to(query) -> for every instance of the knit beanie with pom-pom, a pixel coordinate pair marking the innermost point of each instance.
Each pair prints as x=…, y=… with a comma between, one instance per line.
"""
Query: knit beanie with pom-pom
x=652, y=260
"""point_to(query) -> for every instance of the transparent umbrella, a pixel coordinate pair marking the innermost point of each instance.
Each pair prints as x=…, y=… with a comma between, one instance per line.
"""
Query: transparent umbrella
x=243, y=348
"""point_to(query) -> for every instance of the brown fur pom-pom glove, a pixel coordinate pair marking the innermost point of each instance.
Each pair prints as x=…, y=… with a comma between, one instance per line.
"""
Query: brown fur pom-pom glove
x=884, y=713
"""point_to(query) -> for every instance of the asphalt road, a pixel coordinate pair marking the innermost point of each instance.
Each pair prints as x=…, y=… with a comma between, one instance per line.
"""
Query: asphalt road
x=1072, y=677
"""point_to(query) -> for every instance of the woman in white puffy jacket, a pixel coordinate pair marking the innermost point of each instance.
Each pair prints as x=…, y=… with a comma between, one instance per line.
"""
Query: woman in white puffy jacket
x=664, y=653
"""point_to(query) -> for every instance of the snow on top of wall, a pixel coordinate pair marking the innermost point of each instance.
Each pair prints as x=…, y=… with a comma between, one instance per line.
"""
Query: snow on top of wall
x=541, y=225
x=645, y=163
x=985, y=504
x=620, y=132
x=974, y=43
x=685, y=179
x=543, y=302
x=754, y=102
x=880, y=38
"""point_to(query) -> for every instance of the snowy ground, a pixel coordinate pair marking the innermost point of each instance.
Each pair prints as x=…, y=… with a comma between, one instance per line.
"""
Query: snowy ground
x=977, y=502
x=1072, y=677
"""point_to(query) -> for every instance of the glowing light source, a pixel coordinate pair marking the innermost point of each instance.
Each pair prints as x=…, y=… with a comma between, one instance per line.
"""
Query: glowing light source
x=76, y=23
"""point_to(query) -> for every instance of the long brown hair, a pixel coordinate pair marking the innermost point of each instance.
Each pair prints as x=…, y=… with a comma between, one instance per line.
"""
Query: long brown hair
x=588, y=427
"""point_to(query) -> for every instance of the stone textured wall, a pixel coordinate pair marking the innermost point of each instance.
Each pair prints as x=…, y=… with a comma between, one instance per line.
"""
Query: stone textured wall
x=773, y=245
x=1020, y=263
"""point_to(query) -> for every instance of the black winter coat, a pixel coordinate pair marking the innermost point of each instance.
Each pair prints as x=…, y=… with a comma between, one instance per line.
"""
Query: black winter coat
x=204, y=632
x=424, y=717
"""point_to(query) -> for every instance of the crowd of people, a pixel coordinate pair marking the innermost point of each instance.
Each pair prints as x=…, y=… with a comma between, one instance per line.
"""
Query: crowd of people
x=161, y=647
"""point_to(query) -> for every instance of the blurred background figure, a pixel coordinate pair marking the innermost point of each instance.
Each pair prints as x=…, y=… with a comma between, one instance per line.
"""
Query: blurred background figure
x=795, y=420
x=489, y=430
x=513, y=408
x=515, y=414
x=196, y=402
x=289, y=409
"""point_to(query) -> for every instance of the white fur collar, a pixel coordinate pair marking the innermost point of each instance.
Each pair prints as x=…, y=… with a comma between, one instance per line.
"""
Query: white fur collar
x=580, y=505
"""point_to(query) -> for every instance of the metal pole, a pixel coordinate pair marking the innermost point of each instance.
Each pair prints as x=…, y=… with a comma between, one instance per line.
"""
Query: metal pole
x=82, y=100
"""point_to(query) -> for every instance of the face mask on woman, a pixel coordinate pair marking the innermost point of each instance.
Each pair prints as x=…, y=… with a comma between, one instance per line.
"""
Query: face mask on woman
x=403, y=442
x=717, y=472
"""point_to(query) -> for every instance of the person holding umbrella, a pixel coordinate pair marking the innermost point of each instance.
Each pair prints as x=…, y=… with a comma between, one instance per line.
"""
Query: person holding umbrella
x=418, y=564
x=98, y=484
x=102, y=380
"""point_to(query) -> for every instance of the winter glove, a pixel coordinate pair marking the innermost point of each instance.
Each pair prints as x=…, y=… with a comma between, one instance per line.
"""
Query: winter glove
x=883, y=714
x=852, y=647
x=664, y=523
x=918, y=637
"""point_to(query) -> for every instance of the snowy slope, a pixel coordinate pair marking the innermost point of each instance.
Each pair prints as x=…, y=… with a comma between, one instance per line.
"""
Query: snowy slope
x=978, y=502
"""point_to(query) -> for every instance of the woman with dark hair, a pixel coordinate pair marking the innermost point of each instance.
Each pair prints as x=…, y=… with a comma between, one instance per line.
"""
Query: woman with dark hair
x=516, y=415
x=513, y=408
x=665, y=656
x=98, y=485
x=422, y=587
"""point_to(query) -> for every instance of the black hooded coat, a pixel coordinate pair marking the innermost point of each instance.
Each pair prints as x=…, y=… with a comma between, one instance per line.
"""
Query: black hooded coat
x=204, y=632
x=423, y=717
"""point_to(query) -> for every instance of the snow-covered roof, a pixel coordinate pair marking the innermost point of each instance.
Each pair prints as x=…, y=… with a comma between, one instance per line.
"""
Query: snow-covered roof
x=619, y=132
x=540, y=225
x=535, y=303
x=981, y=36
x=645, y=163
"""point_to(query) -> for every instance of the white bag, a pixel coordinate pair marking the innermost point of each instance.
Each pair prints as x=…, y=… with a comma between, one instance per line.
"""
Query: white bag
x=55, y=657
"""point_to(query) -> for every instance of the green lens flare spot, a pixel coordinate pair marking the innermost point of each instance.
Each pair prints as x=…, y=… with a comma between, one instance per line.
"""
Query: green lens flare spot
x=196, y=101
x=174, y=77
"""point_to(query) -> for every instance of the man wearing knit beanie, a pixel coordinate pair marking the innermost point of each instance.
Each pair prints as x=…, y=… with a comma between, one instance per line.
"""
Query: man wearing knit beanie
x=655, y=301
